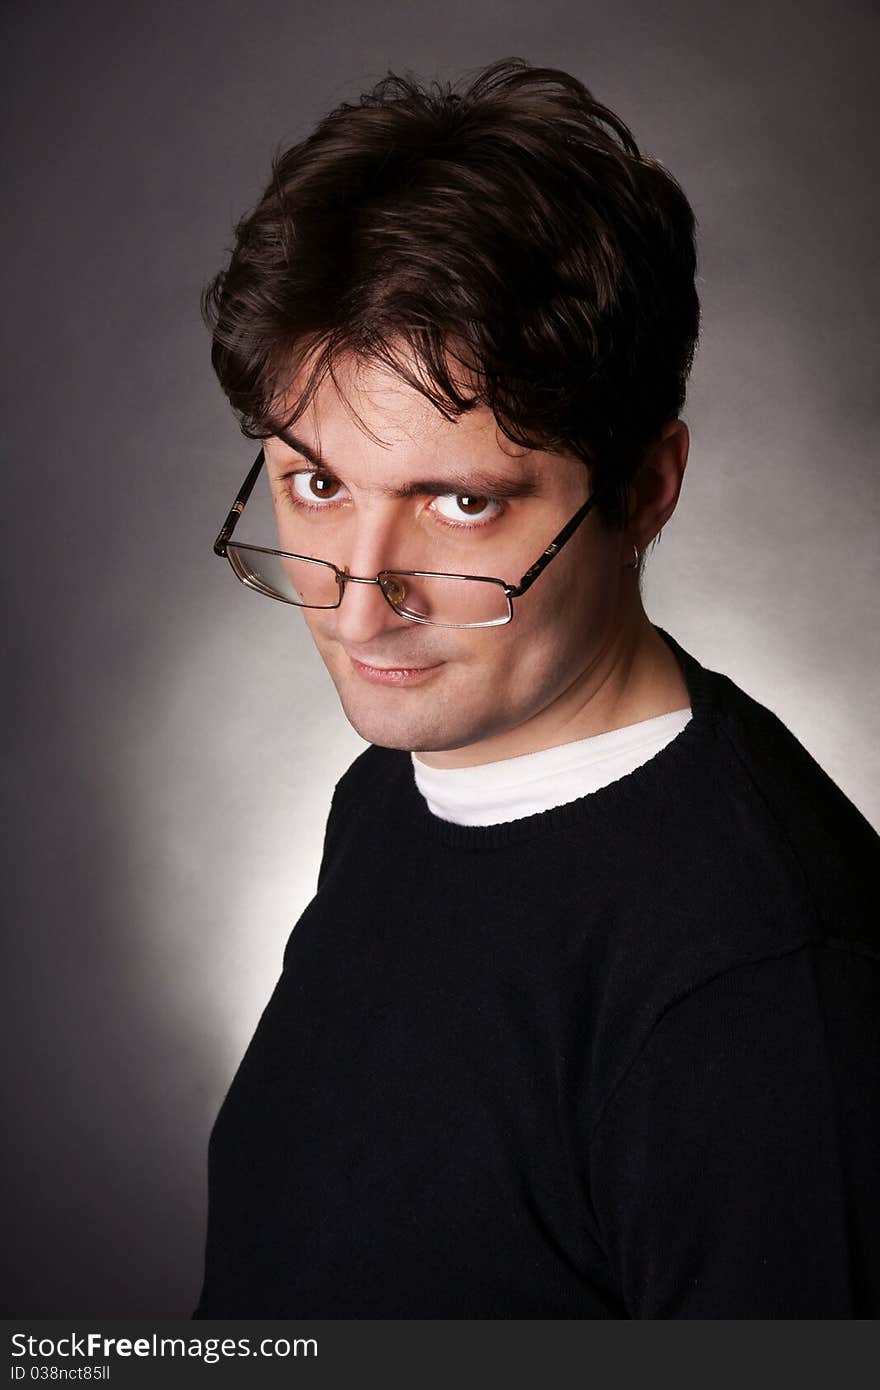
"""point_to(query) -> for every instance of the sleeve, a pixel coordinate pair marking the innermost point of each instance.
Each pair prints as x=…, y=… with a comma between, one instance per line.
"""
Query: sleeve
x=734, y=1170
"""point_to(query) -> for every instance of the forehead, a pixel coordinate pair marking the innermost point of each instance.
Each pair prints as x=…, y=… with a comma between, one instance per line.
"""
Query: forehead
x=369, y=425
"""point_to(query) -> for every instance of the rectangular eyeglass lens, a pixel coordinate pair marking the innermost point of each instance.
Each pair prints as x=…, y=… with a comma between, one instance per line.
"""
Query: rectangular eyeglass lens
x=304, y=582
x=438, y=599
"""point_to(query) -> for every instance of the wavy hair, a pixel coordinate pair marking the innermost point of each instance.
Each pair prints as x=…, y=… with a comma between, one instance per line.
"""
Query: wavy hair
x=508, y=226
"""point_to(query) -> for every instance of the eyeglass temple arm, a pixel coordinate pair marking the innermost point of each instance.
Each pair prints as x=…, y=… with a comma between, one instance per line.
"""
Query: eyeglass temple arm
x=231, y=521
x=568, y=530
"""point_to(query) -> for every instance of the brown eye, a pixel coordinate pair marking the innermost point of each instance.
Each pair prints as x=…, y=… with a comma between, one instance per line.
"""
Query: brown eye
x=457, y=509
x=472, y=506
x=321, y=486
x=313, y=488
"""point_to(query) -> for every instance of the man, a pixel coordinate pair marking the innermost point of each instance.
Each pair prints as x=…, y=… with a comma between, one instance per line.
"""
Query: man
x=582, y=1020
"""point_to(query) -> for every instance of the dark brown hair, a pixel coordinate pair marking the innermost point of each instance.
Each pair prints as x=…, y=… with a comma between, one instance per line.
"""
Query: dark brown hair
x=512, y=227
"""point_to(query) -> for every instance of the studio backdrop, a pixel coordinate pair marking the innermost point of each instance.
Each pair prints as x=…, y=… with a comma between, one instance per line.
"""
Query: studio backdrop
x=173, y=739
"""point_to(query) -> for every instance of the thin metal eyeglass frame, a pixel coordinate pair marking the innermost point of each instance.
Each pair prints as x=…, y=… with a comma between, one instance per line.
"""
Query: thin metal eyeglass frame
x=511, y=591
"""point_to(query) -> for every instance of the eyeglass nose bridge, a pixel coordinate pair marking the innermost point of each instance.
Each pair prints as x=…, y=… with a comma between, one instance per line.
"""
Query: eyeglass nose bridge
x=344, y=576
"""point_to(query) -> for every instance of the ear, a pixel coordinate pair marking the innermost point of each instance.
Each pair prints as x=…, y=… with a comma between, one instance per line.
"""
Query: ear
x=654, y=492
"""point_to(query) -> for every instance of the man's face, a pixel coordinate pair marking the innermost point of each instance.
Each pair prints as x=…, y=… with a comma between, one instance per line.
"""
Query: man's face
x=467, y=695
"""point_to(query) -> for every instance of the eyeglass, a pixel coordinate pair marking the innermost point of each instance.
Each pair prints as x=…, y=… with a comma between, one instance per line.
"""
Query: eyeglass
x=423, y=596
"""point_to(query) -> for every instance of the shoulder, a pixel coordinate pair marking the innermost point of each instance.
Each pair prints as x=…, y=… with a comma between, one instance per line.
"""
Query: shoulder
x=818, y=834
x=372, y=773
x=358, y=800
x=745, y=855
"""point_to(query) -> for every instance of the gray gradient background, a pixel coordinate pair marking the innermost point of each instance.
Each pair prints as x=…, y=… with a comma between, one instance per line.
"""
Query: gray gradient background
x=175, y=740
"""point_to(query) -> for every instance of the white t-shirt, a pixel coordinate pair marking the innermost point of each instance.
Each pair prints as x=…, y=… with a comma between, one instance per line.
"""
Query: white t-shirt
x=522, y=786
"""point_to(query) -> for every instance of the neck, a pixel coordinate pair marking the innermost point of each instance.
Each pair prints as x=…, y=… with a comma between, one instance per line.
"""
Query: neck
x=633, y=676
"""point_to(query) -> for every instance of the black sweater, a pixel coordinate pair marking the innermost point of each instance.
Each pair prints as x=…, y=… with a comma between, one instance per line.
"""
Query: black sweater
x=617, y=1059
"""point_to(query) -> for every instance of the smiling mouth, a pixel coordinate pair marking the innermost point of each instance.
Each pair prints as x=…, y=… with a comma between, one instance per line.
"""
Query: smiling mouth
x=392, y=675
x=371, y=666
x=390, y=666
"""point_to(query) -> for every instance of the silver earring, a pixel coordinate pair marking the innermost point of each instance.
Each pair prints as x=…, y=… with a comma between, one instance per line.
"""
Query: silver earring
x=633, y=564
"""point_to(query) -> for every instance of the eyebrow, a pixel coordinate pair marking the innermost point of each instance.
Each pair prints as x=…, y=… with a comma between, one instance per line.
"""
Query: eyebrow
x=474, y=483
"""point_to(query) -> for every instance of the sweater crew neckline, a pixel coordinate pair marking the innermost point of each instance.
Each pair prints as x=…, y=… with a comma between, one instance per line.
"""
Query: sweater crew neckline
x=650, y=779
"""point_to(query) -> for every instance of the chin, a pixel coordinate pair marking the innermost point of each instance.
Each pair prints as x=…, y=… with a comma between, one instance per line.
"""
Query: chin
x=409, y=731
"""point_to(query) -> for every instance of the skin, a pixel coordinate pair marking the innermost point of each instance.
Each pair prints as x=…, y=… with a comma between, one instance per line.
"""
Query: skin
x=580, y=656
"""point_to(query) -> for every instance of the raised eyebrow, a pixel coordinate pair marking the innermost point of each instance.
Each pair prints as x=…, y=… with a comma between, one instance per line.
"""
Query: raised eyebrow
x=300, y=447
x=472, y=485
x=477, y=484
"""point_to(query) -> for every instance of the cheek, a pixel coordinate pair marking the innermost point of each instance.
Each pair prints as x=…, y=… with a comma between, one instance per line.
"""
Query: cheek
x=557, y=612
x=550, y=637
x=534, y=651
x=316, y=624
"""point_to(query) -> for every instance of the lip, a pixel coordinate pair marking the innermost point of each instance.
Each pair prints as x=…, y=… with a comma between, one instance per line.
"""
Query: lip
x=393, y=675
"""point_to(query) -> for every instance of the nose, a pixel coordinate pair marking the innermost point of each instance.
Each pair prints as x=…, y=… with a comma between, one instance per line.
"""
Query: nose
x=364, y=613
